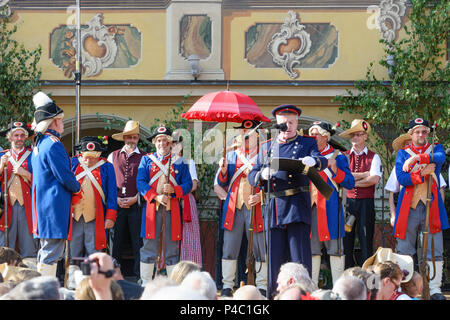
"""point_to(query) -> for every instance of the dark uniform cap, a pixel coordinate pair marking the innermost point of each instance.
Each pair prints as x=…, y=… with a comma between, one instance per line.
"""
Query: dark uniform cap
x=324, y=125
x=91, y=144
x=16, y=125
x=248, y=124
x=418, y=122
x=286, y=108
x=161, y=130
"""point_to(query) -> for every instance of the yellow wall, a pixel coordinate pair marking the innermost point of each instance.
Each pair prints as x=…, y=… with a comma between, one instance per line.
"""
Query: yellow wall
x=152, y=25
x=358, y=45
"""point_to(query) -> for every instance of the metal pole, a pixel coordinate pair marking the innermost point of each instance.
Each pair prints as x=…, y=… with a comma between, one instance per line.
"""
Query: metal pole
x=78, y=78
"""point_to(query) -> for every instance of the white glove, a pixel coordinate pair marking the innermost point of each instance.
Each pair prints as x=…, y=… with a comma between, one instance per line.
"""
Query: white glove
x=266, y=172
x=309, y=161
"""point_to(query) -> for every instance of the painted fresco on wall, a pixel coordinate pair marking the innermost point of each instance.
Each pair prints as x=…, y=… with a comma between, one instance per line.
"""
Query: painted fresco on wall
x=195, y=36
x=104, y=47
x=291, y=45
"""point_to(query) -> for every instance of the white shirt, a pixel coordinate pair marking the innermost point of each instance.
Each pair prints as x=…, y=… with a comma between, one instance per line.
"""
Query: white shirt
x=393, y=185
x=110, y=157
x=375, y=167
x=193, y=170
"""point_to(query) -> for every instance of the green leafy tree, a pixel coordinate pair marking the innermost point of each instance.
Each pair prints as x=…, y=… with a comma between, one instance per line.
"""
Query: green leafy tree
x=19, y=73
x=419, y=79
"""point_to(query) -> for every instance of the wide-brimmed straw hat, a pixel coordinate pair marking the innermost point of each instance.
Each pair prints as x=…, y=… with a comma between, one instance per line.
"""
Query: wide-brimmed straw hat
x=405, y=262
x=131, y=127
x=358, y=125
x=398, y=142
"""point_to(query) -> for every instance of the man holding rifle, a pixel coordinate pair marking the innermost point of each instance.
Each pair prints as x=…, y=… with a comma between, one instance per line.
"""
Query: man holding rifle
x=414, y=166
x=162, y=182
x=18, y=181
x=241, y=207
x=289, y=213
x=327, y=228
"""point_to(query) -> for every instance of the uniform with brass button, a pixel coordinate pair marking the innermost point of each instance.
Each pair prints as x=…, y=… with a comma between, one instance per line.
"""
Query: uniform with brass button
x=288, y=216
x=327, y=228
x=17, y=160
x=237, y=215
x=154, y=170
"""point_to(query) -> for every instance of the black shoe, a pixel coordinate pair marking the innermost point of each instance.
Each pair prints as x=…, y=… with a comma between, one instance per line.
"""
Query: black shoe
x=263, y=292
x=438, y=296
x=226, y=292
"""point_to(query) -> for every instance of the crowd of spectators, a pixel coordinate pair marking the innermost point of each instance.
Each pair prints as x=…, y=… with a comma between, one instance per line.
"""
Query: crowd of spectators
x=384, y=280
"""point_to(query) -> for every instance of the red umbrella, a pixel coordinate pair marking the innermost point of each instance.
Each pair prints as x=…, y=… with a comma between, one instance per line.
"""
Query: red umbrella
x=225, y=106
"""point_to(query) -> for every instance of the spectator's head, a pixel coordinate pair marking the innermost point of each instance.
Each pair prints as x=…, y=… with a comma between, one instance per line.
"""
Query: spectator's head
x=5, y=287
x=323, y=294
x=413, y=287
x=84, y=291
x=367, y=277
x=390, y=277
x=292, y=272
x=39, y=288
x=248, y=292
x=202, y=282
x=24, y=275
x=350, y=288
x=156, y=284
x=9, y=256
x=294, y=291
x=174, y=292
x=182, y=268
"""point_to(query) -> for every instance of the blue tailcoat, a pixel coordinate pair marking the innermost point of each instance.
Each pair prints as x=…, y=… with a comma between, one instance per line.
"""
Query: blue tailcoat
x=145, y=173
x=347, y=181
x=53, y=185
x=295, y=208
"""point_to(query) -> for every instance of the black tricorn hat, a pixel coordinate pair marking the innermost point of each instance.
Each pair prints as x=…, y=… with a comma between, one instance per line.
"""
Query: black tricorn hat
x=418, y=122
x=92, y=144
x=324, y=125
x=16, y=125
x=248, y=124
x=45, y=107
x=161, y=130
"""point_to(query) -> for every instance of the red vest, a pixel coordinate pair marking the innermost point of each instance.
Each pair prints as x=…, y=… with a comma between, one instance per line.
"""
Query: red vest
x=361, y=163
x=126, y=169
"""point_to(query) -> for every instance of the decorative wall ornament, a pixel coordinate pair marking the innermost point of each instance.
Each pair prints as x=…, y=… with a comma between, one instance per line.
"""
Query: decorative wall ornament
x=195, y=36
x=390, y=18
x=104, y=47
x=5, y=10
x=99, y=46
x=290, y=45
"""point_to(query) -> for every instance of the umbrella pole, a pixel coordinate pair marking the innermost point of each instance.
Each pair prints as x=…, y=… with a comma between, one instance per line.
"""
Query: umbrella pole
x=224, y=153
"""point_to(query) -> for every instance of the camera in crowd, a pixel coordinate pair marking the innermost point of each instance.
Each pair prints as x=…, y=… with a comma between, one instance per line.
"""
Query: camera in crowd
x=84, y=263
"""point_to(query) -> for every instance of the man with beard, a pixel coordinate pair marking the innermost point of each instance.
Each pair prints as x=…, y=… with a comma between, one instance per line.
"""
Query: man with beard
x=162, y=180
x=19, y=179
x=126, y=162
x=414, y=166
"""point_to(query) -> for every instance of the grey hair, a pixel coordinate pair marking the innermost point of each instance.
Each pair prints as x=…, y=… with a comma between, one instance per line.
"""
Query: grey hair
x=299, y=273
x=350, y=288
x=202, y=282
x=39, y=288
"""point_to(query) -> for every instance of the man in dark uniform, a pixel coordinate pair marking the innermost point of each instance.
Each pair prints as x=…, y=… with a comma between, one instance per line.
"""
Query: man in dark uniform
x=289, y=210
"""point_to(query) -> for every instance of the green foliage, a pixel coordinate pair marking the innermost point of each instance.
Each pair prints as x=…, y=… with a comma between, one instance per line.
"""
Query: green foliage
x=419, y=84
x=19, y=74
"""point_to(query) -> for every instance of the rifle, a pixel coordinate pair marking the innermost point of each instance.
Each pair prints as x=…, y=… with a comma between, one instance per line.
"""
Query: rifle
x=250, y=261
x=160, y=263
x=423, y=267
x=5, y=205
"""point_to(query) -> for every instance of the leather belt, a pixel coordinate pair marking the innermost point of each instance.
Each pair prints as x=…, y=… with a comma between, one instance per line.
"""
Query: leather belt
x=288, y=192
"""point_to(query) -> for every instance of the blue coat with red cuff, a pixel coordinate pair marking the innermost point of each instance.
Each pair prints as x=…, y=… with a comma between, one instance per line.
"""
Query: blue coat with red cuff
x=146, y=170
x=438, y=214
x=295, y=208
x=53, y=186
x=229, y=207
x=327, y=217
x=106, y=178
